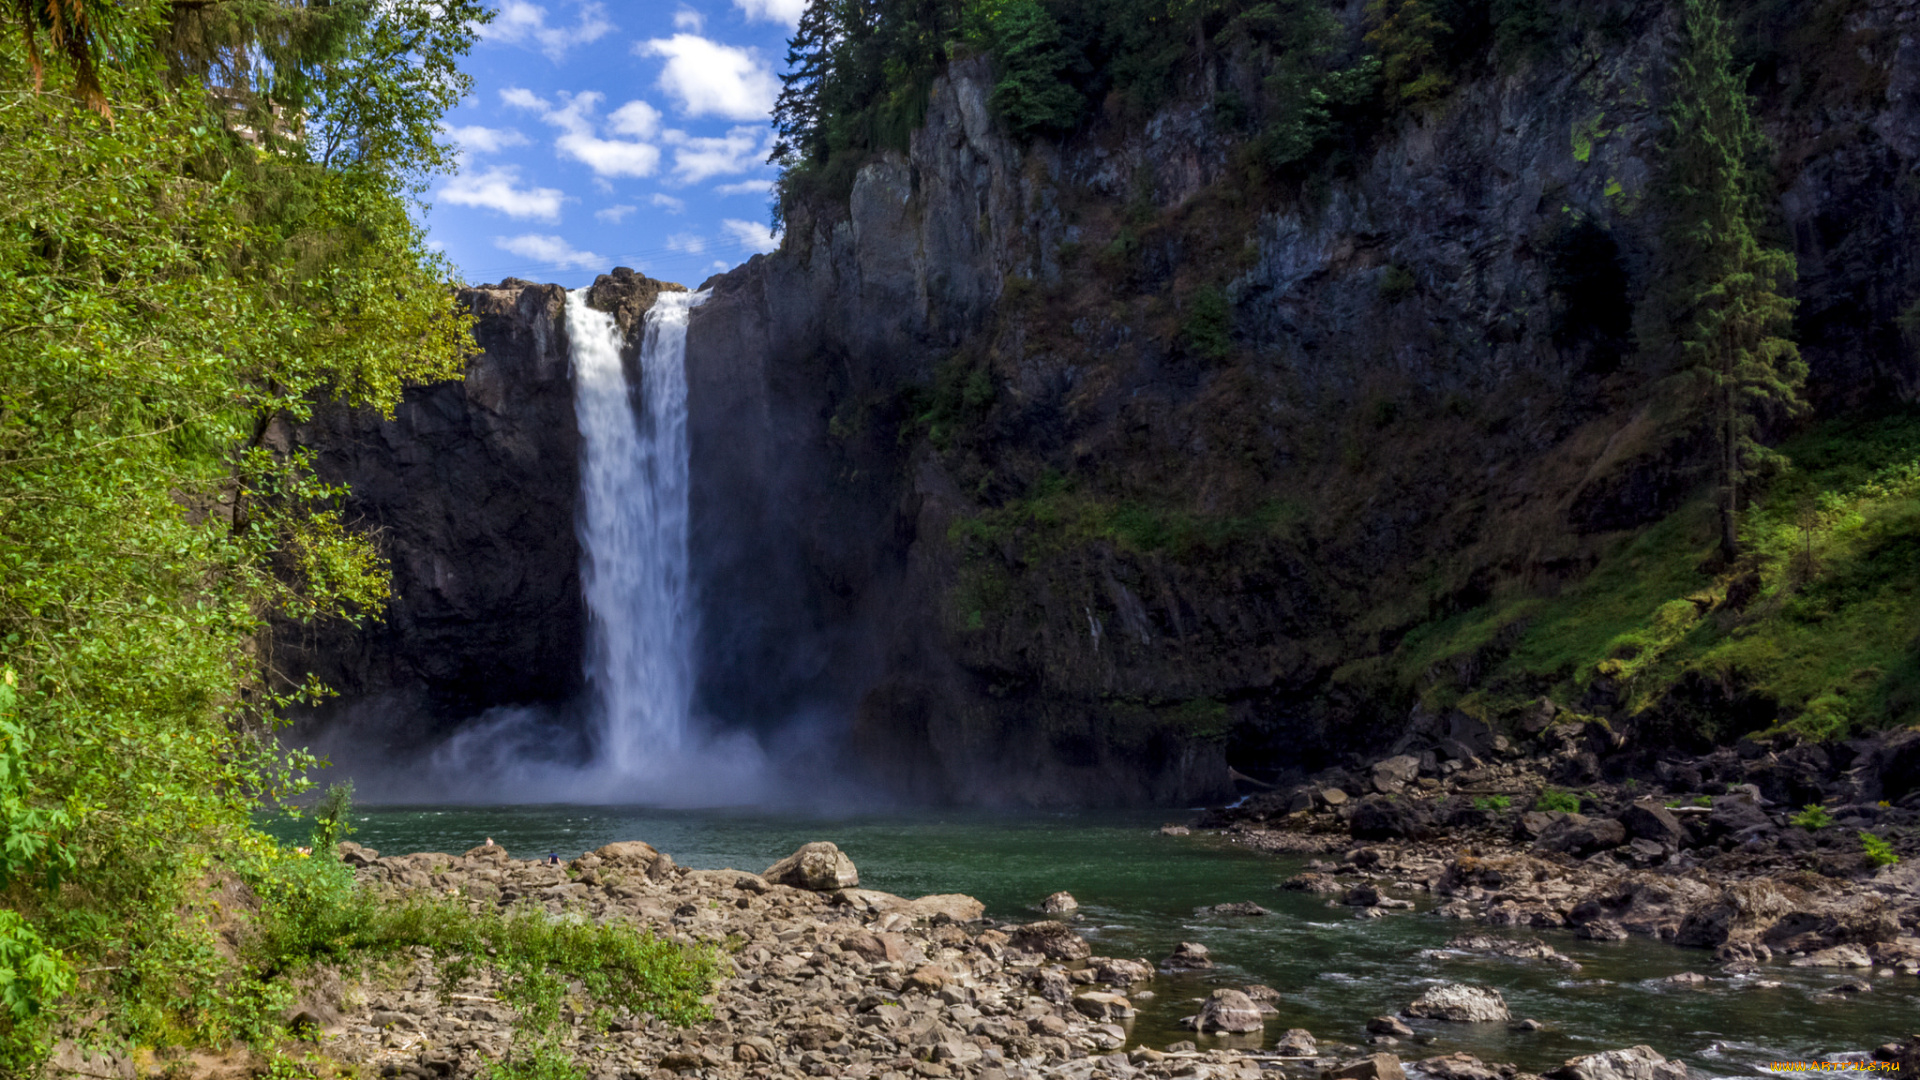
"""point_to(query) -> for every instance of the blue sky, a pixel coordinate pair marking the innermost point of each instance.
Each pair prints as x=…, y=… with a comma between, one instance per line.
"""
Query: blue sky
x=614, y=134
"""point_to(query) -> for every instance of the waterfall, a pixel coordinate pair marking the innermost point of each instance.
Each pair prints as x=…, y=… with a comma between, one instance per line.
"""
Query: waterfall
x=633, y=535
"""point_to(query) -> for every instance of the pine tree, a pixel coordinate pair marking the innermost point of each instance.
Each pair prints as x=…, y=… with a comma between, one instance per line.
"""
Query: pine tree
x=1727, y=283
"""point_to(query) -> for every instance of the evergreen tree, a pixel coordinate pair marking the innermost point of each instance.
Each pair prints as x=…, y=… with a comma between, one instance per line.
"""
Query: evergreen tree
x=1727, y=283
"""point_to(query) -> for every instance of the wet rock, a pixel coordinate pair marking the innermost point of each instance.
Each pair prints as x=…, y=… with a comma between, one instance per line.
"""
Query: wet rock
x=1851, y=986
x=1743, y=911
x=1459, y=1066
x=1389, y=1025
x=1633, y=1063
x=1059, y=903
x=1686, y=978
x=820, y=866
x=1245, y=908
x=1312, y=882
x=1297, y=1042
x=1174, y=830
x=1840, y=956
x=1460, y=1003
x=1188, y=955
x=1743, y=952
x=1051, y=939
x=1528, y=1024
x=1371, y=1067
x=1602, y=930
x=1518, y=950
x=1362, y=895
x=1230, y=1011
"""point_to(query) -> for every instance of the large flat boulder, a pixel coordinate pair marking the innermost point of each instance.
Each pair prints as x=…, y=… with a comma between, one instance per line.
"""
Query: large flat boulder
x=820, y=866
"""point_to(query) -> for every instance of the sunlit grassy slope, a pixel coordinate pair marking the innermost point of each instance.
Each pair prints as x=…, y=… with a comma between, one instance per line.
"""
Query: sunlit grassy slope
x=1819, y=616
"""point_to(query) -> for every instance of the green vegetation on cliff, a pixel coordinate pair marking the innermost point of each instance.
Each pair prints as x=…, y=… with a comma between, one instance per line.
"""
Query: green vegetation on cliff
x=1814, y=625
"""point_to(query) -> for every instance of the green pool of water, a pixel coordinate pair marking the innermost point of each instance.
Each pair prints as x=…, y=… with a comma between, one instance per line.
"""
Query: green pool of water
x=1138, y=892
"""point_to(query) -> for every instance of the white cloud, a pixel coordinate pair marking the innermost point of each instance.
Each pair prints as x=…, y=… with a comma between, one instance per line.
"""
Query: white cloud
x=475, y=139
x=751, y=234
x=711, y=79
x=720, y=264
x=613, y=215
x=499, y=189
x=781, y=11
x=635, y=118
x=521, y=22
x=688, y=19
x=670, y=204
x=746, y=187
x=689, y=243
x=551, y=250
x=575, y=119
x=697, y=159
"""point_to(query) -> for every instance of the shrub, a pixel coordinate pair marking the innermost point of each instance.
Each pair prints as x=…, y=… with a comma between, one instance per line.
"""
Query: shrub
x=1207, y=331
x=1553, y=799
x=1878, y=851
x=1812, y=817
x=1492, y=802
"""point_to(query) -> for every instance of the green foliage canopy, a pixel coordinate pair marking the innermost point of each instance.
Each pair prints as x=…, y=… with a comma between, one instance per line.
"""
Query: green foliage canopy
x=182, y=273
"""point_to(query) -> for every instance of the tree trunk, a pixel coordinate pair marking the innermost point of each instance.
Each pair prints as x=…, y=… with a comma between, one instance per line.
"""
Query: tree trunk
x=1729, y=464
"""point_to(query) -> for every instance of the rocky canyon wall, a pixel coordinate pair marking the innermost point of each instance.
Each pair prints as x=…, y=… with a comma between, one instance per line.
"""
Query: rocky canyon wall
x=1077, y=472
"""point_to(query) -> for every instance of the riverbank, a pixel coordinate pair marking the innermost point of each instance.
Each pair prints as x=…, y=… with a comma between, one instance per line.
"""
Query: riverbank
x=823, y=978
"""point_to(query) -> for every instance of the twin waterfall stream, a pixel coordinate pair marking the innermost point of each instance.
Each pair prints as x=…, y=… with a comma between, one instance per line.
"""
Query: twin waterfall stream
x=633, y=535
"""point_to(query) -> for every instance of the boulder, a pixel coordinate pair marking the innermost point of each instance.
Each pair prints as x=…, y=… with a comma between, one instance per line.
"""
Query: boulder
x=1459, y=1066
x=1102, y=1007
x=1059, y=903
x=1242, y=908
x=1389, y=1025
x=1395, y=773
x=1461, y=1004
x=1579, y=835
x=876, y=948
x=1120, y=972
x=1633, y=1063
x=1371, y=1067
x=627, y=853
x=1054, y=940
x=1297, y=1042
x=943, y=908
x=1379, y=818
x=489, y=850
x=1189, y=955
x=354, y=854
x=819, y=866
x=1744, y=911
x=1651, y=821
x=1840, y=956
x=1229, y=1010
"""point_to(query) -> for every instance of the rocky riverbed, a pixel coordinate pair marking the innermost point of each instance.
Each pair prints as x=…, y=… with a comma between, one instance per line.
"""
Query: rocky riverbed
x=1752, y=852
x=824, y=978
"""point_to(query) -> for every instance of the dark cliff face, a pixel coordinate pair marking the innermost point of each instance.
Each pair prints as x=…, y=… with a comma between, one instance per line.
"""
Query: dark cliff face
x=979, y=488
x=1042, y=544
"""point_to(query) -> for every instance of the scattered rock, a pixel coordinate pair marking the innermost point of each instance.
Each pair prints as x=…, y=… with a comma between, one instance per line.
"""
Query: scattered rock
x=1297, y=1042
x=1054, y=940
x=1389, y=1025
x=1633, y=1063
x=1371, y=1067
x=1242, y=908
x=1102, y=1006
x=1188, y=955
x=1580, y=836
x=820, y=866
x=1839, y=956
x=1460, y=1003
x=1059, y=903
x=1174, y=830
x=1120, y=973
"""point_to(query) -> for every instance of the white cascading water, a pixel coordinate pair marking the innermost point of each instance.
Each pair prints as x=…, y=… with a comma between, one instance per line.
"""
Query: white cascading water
x=633, y=534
